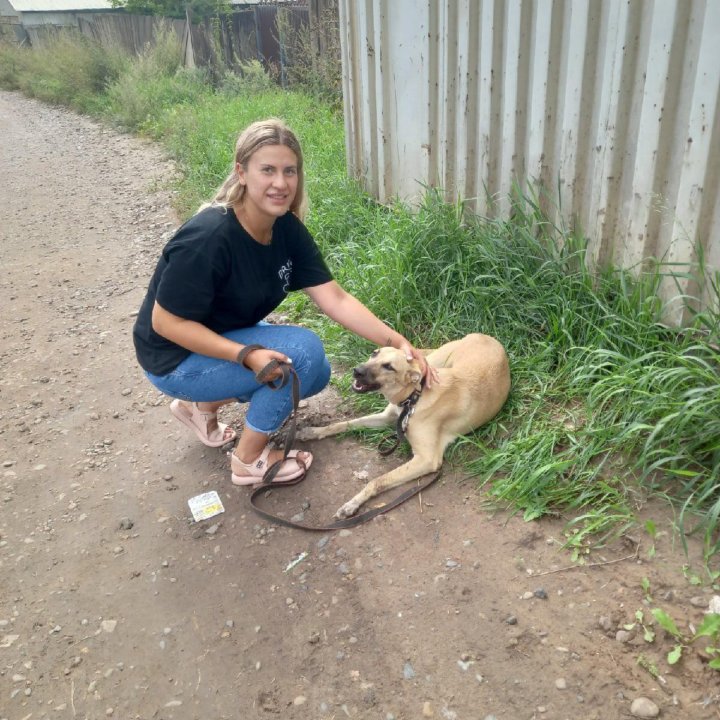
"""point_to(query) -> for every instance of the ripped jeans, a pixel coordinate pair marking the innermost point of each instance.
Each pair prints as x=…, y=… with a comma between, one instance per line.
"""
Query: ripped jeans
x=200, y=378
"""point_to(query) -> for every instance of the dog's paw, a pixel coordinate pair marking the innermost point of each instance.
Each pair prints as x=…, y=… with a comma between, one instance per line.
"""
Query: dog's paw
x=307, y=433
x=347, y=510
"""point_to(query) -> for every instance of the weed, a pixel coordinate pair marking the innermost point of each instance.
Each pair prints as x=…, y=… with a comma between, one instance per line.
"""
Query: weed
x=651, y=530
x=647, y=629
x=251, y=77
x=66, y=69
x=645, y=583
x=648, y=665
x=709, y=628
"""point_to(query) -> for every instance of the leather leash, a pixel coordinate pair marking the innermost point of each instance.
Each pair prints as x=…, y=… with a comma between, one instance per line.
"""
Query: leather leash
x=408, y=409
x=289, y=373
x=338, y=524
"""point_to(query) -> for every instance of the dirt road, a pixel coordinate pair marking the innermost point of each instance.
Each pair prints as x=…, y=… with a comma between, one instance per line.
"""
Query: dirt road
x=114, y=603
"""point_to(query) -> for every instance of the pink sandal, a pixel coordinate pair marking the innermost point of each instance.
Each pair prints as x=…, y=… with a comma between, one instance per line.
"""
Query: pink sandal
x=252, y=473
x=197, y=421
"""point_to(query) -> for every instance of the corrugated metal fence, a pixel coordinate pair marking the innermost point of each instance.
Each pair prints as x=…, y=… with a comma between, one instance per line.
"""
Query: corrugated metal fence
x=613, y=106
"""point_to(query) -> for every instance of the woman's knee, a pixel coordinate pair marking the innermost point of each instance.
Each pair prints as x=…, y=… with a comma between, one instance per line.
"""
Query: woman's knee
x=308, y=356
x=307, y=343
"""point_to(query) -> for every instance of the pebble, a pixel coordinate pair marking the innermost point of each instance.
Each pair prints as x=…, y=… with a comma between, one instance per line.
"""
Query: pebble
x=511, y=620
x=408, y=672
x=540, y=593
x=300, y=700
x=108, y=626
x=643, y=707
x=605, y=623
x=427, y=710
x=622, y=636
x=126, y=392
x=698, y=601
x=560, y=684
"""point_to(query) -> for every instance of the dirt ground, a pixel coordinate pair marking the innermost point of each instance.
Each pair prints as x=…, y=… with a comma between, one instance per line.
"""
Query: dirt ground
x=114, y=603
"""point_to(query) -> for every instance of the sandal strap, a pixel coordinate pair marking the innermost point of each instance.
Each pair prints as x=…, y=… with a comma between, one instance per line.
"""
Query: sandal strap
x=204, y=413
x=259, y=464
x=240, y=359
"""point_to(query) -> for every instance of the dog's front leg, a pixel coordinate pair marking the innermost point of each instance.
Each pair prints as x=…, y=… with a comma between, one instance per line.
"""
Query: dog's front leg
x=415, y=468
x=386, y=417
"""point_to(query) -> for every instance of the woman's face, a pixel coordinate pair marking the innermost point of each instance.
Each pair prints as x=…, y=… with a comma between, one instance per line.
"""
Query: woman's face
x=271, y=180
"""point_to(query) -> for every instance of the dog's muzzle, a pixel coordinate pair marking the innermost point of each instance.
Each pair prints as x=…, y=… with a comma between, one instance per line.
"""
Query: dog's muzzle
x=361, y=382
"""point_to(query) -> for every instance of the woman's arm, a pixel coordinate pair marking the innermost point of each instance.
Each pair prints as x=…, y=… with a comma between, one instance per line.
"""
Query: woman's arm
x=197, y=338
x=342, y=307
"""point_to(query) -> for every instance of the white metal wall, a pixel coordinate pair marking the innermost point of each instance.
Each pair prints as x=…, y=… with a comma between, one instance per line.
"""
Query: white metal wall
x=612, y=105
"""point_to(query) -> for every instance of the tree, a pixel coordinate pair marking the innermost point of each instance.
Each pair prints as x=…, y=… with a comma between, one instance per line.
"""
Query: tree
x=174, y=8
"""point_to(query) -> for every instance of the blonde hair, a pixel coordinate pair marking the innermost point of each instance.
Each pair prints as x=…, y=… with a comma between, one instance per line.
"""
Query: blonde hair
x=261, y=133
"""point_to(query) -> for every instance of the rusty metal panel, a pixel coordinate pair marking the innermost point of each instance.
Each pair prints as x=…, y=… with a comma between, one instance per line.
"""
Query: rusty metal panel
x=613, y=107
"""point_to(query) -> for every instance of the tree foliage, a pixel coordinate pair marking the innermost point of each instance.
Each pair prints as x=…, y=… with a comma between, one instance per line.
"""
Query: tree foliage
x=174, y=8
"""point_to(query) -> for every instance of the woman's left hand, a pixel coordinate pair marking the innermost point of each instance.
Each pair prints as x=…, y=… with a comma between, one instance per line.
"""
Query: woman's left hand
x=429, y=372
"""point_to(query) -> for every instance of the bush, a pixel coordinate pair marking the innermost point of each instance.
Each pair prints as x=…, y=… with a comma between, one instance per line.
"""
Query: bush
x=11, y=63
x=66, y=69
x=251, y=78
x=154, y=83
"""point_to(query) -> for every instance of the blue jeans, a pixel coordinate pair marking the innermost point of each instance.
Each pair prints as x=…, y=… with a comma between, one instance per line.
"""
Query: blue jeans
x=200, y=378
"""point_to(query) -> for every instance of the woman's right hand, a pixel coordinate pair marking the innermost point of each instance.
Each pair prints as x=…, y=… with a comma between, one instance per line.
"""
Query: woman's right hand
x=256, y=360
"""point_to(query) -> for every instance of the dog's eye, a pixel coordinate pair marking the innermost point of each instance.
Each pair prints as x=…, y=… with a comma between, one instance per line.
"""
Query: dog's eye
x=388, y=366
x=375, y=352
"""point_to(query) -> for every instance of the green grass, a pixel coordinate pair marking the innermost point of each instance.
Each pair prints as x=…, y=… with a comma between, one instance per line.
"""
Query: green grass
x=608, y=404
x=69, y=70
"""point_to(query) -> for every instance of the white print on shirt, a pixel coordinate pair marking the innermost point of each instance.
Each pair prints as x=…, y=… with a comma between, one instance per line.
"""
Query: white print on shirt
x=285, y=272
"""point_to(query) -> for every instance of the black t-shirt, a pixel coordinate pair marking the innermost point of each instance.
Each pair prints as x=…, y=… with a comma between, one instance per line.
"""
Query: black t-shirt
x=213, y=272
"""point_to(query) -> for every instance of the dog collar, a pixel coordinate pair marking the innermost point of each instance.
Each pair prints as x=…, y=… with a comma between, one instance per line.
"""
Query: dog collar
x=408, y=408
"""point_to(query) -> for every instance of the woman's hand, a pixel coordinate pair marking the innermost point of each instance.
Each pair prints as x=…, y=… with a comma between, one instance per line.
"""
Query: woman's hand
x=341, y=306
x=256, y=360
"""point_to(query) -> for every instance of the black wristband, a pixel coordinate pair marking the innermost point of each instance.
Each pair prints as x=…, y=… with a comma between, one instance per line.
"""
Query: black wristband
x=240, y=359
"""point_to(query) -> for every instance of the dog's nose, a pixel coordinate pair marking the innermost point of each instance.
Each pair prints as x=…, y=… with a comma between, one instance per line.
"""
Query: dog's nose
x=358, y=371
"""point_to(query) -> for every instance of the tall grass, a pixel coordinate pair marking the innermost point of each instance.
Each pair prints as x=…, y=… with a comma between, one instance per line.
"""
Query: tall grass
x=608, y=404
x=68, y=69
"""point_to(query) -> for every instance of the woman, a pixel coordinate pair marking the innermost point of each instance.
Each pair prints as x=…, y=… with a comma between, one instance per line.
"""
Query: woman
x=222, y=272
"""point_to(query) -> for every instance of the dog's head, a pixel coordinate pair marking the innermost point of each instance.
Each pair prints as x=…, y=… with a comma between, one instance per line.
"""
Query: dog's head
x=388, y=371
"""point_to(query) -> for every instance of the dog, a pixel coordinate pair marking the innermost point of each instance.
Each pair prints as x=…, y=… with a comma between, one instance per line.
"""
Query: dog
x=474, y=385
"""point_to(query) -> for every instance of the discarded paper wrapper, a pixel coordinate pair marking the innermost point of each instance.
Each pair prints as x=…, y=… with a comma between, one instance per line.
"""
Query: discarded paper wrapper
x=205, y=506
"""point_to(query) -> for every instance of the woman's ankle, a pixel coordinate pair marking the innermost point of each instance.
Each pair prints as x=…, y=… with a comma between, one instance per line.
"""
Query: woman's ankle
x=247, y=457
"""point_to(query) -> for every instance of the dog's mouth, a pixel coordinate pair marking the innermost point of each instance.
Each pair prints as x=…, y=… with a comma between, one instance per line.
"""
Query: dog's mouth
x=360, y=386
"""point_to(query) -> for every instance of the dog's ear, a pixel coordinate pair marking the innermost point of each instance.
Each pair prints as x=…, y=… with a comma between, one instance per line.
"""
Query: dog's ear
x=413, y=374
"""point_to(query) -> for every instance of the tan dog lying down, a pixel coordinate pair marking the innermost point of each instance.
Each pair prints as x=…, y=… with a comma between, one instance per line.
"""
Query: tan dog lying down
x=474, y=384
